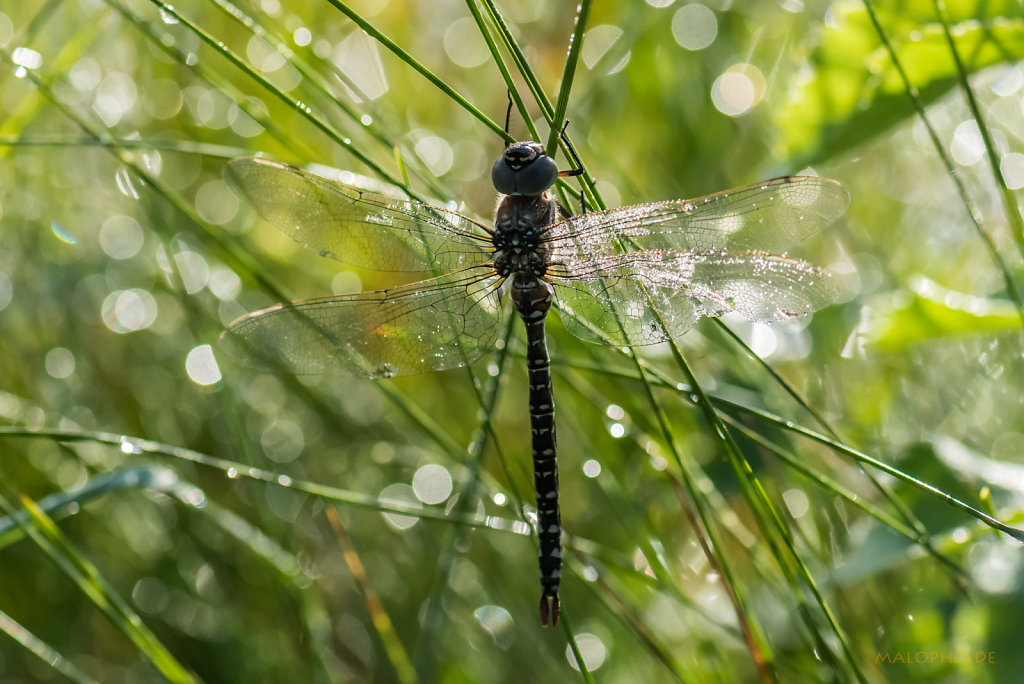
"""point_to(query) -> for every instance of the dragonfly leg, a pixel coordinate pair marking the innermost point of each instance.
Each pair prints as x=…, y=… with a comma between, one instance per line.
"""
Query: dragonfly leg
x=508, y=115
x=578, y=168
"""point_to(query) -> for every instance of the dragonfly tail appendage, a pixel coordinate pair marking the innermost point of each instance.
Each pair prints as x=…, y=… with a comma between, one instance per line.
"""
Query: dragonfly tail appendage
x=550, y=606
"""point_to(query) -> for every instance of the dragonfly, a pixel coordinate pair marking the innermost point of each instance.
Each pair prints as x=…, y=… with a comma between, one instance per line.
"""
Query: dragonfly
x=632, y=276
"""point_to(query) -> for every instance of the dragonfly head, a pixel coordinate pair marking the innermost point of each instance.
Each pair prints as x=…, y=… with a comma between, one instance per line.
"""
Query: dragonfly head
x=524, y=169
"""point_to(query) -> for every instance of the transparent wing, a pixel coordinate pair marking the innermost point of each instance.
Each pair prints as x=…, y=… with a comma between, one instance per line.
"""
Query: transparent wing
x=648, y=297
x=770, y=216
x=355, y=226
x=433, y=325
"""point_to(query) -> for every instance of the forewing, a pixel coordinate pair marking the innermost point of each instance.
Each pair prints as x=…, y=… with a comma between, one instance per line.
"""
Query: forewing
x=433, y=325
x=648, y=297
x=356, y=226
x=770, y=216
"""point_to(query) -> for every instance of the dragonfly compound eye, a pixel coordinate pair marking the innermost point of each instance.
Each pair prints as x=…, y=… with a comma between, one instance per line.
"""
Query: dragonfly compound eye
x=524, y=169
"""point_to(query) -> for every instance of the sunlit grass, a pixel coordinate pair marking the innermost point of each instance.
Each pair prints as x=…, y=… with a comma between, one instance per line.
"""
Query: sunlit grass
x=728, y=518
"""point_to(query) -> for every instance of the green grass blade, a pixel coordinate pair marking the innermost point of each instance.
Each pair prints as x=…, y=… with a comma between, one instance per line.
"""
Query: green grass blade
x=753, y=633
x=569, y=73
x=1013, y=213
x=234, y=469
x=302, y=109
x=450, y=92
x=972, y=212
x=39, y=648
x=87, y=577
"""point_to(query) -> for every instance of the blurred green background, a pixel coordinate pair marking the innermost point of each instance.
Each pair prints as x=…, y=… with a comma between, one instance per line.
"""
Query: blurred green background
x=198, y=548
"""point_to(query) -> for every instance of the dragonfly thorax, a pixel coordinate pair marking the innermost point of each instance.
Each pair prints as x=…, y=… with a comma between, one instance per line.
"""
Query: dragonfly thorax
x=519, y=226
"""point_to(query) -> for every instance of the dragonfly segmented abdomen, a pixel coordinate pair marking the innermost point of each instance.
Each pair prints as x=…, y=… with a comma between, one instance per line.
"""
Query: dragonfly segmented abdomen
x=532, y=298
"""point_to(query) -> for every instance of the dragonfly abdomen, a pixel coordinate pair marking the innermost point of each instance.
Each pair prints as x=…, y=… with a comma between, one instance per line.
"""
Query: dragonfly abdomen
x=532, y=297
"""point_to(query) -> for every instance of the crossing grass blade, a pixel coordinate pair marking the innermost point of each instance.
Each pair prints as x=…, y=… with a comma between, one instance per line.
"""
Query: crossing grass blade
x=30, y=642
x=88, y=579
